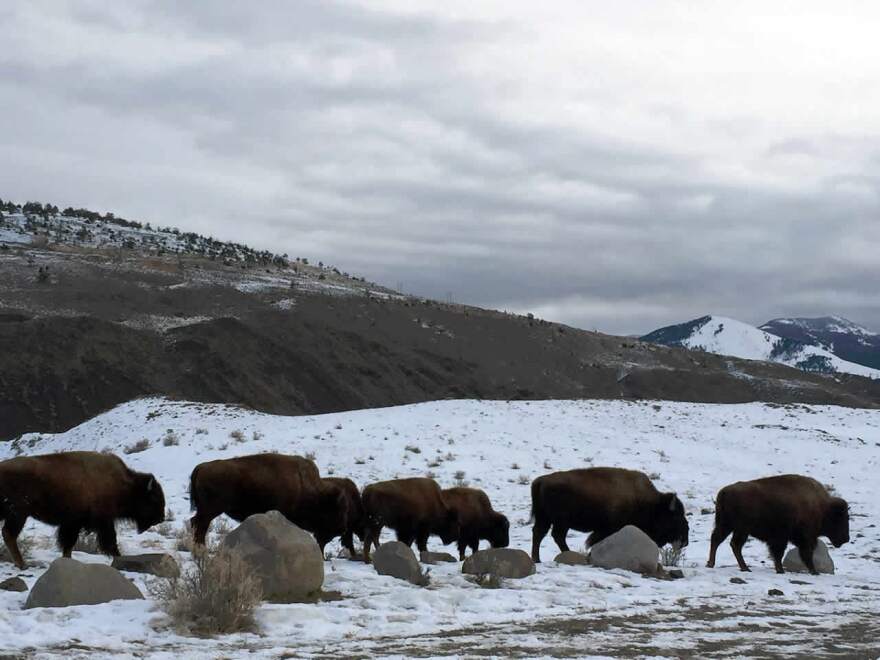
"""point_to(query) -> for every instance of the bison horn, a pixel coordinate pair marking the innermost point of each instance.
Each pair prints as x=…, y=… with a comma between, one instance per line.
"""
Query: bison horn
x=150, y=483
x=672, y=503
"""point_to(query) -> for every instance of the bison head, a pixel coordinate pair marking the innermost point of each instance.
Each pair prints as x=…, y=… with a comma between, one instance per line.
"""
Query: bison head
x=835, y=525
x=499, y=531
x=670, y=522
x=449, y=529
x=149, y=503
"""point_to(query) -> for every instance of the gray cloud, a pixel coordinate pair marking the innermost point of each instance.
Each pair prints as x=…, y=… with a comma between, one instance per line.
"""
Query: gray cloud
x=607, y=169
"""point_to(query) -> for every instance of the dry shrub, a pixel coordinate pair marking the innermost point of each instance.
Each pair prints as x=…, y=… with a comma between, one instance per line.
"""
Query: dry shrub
x=671, y=555
x=139, y=446
x=88, y=543
x=216, y=595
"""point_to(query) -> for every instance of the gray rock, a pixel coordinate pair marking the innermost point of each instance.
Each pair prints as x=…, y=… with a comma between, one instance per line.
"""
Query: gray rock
x=500, y=563
x=737, y=580
x=154, y=563
x=398, y=560
x=13, y=584
x=70, y=582
x=571, y=558
x=428, y=557
x=775, y=592
x=821, y=559
x=676, y=573
x=285, y=558
x=630, y=549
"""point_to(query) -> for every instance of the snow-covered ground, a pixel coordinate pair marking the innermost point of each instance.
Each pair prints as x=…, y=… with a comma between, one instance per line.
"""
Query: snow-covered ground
x=499, y=446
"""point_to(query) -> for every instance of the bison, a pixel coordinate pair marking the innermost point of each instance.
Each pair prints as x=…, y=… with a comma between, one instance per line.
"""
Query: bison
x=778, y=510
x=477, y=519
x=75, y=491
x=355, y=519
x=603, y=500
x=243, y=486
x=414, y=508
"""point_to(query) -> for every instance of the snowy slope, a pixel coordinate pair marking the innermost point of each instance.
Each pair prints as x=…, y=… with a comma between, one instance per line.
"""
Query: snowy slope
x=691, y=448
x=847, y=340
x=726, y=336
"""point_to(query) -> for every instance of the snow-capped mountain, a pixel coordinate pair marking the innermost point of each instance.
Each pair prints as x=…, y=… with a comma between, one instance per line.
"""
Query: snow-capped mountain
x=726, y=336
x=847, y=340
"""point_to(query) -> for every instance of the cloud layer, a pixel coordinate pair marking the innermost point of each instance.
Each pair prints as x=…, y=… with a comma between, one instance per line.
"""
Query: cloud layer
x=613, y=167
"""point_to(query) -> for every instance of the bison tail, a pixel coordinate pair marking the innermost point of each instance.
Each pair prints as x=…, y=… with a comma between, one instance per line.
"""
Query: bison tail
x=536, y=495
x=192, y=489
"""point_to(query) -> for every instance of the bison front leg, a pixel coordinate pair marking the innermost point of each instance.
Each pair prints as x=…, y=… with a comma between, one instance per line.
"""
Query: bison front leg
x=107, y=539
x=11, y=529
x=68, y=534
x=736, y=544
x=806, y=550
x=539, y=531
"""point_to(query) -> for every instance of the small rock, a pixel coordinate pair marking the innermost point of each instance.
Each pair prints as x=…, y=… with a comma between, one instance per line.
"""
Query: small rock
x=13, y=584
x=500, y=562
x=798, y=582
x=428, y=557
x=398, y=560
x=154, y=563
x=71, y=582
x=676, y=573
x=285, y=558
x=706, y=512
x=629, y=548
x=775, y=592
x=571, y=558
x=821, y=560
x=737, y=580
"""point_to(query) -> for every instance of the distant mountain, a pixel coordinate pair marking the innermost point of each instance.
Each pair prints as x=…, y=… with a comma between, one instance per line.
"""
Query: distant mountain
x=847, y=340
x=725, y=336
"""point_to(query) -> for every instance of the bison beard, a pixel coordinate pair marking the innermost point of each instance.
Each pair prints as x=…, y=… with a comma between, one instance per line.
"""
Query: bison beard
x=778, y=510
x=76, y=491
x=355, y=520
x=602, y=501
x=477, y=519
x=414, y=508
x=243, y=486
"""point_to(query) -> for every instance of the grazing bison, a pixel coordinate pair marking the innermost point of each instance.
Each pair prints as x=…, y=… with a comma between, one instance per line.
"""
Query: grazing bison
x=477, y=519
x=602, y=501
x=354, y=520
x=777, y=510
x=243, y=486
x=414, y=508
x=75, y=491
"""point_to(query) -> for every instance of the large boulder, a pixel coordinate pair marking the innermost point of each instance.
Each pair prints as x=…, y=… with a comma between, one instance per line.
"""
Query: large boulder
x=70, y=582
x=630, y=549
x=154, y=563
x=821, y=560
x=499, y=562
x=571, y=558
x=428, y=557
x=398, y=560
x=285, y=558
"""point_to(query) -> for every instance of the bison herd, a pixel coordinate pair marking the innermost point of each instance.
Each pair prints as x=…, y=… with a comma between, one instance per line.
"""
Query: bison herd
x=77, y=491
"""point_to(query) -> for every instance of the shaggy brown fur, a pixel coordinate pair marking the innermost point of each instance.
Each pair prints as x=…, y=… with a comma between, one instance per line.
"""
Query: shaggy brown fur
x=477, y=519
x=778, y=510
x=76, y=491
x=355, y=519
x=414, y=508
x=243, y=486
x=602, y=501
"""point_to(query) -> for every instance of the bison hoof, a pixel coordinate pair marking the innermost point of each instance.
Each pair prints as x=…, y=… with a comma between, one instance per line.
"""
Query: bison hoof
x=710, y=564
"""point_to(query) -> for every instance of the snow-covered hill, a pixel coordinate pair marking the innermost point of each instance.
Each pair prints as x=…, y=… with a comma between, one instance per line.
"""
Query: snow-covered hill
x=847, y=340
x=500, y=447
x=726, y=336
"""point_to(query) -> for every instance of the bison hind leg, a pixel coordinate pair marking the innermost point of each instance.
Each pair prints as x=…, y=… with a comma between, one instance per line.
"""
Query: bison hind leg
x=11, y=529
x=539, y=531
x=718, y=535
x=777, y=550
x=200, y=523
x=736, y=544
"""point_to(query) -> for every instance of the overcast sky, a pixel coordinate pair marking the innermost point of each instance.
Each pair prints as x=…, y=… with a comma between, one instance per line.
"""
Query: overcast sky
x=612, y=165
